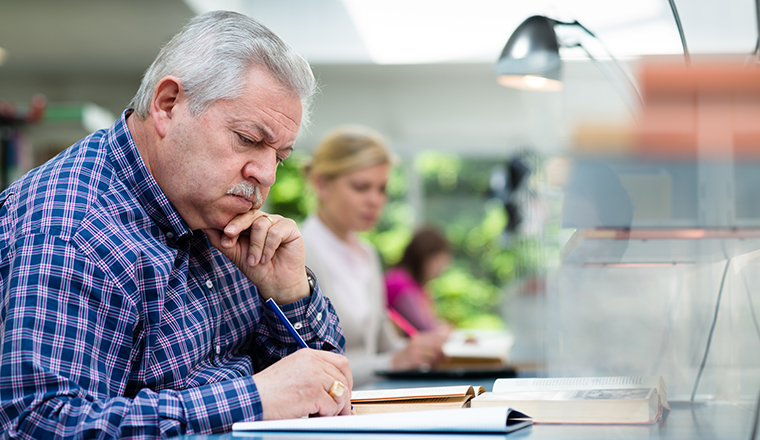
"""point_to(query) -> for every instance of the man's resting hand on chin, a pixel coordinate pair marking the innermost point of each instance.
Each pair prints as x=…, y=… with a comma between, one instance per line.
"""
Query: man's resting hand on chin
x=269, y=250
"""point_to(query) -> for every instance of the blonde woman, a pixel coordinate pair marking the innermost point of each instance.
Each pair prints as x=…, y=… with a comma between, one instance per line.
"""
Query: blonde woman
x=349, y=172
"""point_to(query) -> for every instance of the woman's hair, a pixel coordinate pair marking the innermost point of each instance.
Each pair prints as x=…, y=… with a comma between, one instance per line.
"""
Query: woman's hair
x=213, y=56
x=427, y=242
x=346, y=149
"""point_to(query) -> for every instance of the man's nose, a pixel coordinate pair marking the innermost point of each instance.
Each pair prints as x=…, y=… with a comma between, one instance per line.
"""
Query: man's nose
x=262, y=169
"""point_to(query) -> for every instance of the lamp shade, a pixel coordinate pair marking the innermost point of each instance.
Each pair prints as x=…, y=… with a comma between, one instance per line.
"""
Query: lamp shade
x=530, y=59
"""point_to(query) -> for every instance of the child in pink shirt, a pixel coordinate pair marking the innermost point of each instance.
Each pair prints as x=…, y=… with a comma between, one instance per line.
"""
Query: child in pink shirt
x=426, y=256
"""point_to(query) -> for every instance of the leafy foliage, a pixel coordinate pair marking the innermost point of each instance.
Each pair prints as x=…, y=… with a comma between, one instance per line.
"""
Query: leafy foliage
x=457, y=200
x=291, y=196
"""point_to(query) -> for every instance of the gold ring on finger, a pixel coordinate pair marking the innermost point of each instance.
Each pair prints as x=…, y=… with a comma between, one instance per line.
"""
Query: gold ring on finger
x=266, y=216
x=337, y=389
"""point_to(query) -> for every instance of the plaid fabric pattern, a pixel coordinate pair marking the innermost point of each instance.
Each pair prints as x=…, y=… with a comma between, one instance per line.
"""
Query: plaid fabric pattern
x=117, y=320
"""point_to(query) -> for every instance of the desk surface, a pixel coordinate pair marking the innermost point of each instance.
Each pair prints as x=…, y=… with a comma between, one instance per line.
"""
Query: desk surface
x=709, y=421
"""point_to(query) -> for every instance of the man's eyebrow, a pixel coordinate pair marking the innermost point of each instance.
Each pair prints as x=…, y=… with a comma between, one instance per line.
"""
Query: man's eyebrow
x=267, y=134
x=263, y=131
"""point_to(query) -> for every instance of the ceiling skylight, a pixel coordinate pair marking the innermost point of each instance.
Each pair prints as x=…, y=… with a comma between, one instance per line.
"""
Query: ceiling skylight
x=435, y=31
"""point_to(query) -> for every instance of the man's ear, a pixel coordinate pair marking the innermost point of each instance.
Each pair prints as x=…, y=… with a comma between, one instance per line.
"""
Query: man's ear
x=166, y=97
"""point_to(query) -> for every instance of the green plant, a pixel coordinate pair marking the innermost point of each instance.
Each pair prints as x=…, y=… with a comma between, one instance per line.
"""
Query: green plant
x=291, y=195
x=456, y=199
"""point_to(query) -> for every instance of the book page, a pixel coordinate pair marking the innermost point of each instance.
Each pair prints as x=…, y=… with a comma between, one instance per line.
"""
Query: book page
x=481, y=420
x=621, y=405
x=576, y=383
x=412, y=405
x=565, y=395
x=411, y=393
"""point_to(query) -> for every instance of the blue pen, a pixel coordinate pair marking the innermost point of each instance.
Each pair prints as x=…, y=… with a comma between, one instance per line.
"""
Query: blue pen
x=284, y=319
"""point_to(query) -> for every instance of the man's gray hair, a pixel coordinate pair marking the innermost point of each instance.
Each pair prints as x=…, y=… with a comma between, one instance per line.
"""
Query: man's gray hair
x=213, y=56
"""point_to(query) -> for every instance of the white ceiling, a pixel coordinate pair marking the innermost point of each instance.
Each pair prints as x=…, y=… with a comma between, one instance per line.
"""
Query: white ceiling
x=455, y=31
x=419, y=71
x=111, y=35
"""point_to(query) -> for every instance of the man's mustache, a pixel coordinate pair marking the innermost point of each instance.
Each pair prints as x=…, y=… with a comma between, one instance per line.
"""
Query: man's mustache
x=248, y=191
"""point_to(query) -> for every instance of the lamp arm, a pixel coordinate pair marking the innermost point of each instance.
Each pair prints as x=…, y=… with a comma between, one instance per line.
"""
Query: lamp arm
x=625, y=71
x=677, y=18
x=757, y=18
x=679, y=26
x=613, y=80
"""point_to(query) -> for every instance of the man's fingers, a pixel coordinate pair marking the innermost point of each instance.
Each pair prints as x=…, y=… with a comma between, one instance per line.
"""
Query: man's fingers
x=339, y=363
x=268, y=233
x=337, y=385
x=300, y=383
x=337, y=389
x=335, y=397
x=264, y=238
x=240, y=223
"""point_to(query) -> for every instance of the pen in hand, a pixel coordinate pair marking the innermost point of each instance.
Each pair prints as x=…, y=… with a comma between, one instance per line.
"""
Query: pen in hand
x=284, y=319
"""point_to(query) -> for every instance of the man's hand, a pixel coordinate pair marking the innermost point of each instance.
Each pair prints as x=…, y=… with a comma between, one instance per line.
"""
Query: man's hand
x=298, y=385
x=269, y=250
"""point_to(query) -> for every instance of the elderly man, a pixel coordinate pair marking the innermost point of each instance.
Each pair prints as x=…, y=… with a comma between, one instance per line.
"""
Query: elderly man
x=135, y=264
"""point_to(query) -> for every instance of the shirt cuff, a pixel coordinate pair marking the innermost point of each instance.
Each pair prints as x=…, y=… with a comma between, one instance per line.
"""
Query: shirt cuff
x=213, y=408
x=314, y=318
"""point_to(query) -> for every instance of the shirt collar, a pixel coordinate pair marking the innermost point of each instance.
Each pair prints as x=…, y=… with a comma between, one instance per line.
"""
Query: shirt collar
x=134, y=174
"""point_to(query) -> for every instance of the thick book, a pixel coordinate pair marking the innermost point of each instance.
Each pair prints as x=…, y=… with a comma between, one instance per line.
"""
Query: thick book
x=413, y=399
x=602, y=400
x=461, y=420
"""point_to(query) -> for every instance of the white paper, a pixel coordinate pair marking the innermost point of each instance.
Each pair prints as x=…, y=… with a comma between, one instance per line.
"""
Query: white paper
x=480, y=420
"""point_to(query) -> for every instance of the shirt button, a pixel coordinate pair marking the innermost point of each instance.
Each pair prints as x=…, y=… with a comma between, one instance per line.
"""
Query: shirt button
x=298, y=325
x=218, y=349
x=170, y=235
x=319, y=316
x=209, y=284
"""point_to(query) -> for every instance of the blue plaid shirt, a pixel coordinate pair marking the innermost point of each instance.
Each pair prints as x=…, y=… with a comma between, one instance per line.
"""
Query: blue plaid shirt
x=119, y=321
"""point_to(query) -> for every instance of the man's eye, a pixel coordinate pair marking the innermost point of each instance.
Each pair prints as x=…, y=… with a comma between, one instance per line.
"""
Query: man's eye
x=245, y=140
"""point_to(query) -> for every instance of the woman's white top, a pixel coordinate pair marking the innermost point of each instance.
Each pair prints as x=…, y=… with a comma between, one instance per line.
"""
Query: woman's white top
x=350, y=274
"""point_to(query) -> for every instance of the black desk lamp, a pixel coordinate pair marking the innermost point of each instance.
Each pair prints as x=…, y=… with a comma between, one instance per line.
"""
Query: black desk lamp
x=530, y=59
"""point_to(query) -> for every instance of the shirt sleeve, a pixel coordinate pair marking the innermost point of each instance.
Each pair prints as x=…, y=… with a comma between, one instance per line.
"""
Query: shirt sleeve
x=67, y=354
x=315, y=320
x=68, y=351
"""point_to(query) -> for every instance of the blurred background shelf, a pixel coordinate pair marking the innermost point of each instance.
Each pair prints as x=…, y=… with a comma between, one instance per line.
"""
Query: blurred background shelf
x=649, y=247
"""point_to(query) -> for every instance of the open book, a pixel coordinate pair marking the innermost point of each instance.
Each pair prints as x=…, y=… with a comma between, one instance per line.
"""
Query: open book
x=627, y=399
x=461, y=420
x=413, y=399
